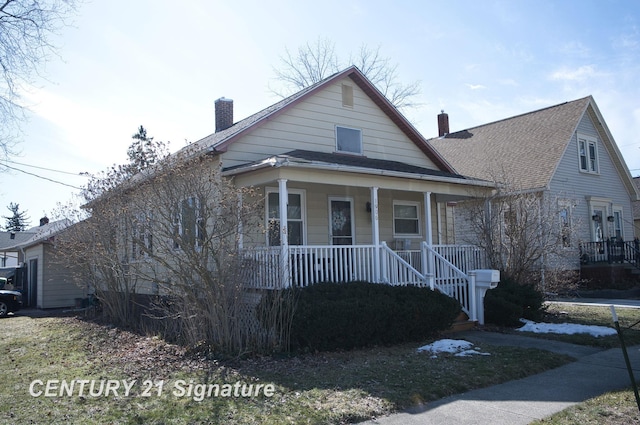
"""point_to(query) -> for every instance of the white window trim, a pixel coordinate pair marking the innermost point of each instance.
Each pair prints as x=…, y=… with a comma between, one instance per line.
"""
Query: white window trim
x=588, y=140
x=419, y=218
x=600, y=204
x=178, y=222
x=568, y=206
x=143, y=221
x=348, y=128
x=617, y=209
x=303, y=213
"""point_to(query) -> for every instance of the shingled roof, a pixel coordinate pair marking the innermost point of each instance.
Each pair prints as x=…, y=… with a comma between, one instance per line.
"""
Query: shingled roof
x=218, y=142
x=526, y=148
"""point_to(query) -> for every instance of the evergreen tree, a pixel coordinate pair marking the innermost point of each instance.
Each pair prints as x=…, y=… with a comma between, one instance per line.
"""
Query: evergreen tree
x=17, y=221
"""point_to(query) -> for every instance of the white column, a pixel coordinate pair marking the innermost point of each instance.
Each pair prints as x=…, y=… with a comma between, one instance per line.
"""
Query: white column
x=428, y=234
x=427, y=219
x=375, y=231
x=283, y=194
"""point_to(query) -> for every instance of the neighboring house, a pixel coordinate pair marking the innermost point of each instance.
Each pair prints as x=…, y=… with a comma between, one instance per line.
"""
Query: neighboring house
x=636, y=210
x=12, y=258
x=49, y=280
x=566, y=153
x=348, y=182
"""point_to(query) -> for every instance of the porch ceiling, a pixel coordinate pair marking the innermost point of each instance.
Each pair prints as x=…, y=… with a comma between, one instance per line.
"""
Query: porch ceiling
x=446, y=187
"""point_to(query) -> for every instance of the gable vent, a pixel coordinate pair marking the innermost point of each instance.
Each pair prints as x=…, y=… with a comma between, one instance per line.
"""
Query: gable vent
x=347, y=95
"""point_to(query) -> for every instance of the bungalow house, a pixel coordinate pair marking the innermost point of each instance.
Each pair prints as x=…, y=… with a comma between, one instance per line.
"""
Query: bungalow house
x=565, y=153
x=49, y=282
x=350, y=188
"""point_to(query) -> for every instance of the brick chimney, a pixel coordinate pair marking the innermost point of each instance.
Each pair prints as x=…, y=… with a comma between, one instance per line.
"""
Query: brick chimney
x=43, y=221
x=443, y=124
x=224, y=114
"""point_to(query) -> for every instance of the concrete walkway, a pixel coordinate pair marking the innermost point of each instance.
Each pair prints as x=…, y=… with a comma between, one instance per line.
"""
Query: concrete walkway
x=594, y=372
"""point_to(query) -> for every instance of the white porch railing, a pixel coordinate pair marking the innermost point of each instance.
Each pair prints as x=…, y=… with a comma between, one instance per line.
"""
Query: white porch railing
x=464, y=257
x=395, y=270
x=442, y=267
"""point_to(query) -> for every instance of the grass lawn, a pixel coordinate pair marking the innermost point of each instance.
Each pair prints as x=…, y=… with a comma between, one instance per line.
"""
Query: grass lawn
x=614, y=408
x=325, y=388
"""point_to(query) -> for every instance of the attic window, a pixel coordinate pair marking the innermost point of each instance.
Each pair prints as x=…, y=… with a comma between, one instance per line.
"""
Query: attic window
x=347, y=96
x=588, y=154
x=348, y=140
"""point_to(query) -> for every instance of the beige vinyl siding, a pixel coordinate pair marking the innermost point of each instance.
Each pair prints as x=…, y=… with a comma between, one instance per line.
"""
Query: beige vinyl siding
x=311, y=125
x=317, y=214
x=58, y=287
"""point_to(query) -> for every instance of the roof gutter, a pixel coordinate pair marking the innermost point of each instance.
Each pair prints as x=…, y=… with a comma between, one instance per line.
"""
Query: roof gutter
x=278, y=161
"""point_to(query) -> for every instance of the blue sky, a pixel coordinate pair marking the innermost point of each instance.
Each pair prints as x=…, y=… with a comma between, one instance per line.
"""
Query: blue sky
x=162, y=64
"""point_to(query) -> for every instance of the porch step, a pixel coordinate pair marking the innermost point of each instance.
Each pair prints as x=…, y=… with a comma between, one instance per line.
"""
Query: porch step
x=462, y=323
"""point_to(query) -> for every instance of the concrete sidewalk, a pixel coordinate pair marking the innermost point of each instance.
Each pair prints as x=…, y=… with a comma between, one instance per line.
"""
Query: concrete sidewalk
x=594, y=372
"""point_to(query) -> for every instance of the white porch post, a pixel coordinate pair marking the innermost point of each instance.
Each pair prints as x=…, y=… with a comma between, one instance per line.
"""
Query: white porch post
x=428, y=234
x=375, y=231
x=283, y=194
x=427, y=218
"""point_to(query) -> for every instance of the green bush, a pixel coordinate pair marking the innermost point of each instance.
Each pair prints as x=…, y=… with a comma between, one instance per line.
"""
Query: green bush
x=510, y=302
x=332, y=316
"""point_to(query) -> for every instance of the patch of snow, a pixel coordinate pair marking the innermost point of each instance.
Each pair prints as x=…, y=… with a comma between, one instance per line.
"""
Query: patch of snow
x=457, y=347
x=565, y=328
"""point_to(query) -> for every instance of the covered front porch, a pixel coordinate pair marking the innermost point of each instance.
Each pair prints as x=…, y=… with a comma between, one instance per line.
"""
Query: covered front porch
x=335, y=222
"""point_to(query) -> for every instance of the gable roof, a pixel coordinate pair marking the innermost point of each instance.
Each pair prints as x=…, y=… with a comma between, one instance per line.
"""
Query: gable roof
x=41, y=234
x=526, y=148
x=6, y=239
x=218, y=142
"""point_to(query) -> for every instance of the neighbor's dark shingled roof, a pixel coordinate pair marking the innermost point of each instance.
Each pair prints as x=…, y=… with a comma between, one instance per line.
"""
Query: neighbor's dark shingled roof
x=526, y=148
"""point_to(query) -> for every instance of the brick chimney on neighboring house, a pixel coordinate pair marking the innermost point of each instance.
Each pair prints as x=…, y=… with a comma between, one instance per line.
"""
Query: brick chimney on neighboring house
x=43, y=221
x=224, y=114
x=443, y=124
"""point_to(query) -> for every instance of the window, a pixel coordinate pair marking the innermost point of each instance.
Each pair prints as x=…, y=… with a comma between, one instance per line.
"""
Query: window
x=406, y=218
x=189, y=226
x=295, y=218
x=142, y=238
x=588, y=154
x=565, y=225
x=348, y=140
x=617, y=224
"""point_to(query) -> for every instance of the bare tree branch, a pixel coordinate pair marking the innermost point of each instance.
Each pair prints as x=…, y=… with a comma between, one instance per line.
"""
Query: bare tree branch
x=26, y=28
x=314, y=62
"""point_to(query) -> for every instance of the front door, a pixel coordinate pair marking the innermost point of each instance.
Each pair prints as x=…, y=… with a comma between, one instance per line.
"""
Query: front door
x=341, y=221
x=597, y=220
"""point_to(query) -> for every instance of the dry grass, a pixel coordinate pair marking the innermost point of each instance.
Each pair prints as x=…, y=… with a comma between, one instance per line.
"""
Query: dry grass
x=327, y=388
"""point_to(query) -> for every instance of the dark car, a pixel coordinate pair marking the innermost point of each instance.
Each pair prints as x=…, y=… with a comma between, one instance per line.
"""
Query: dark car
x=10, y=300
